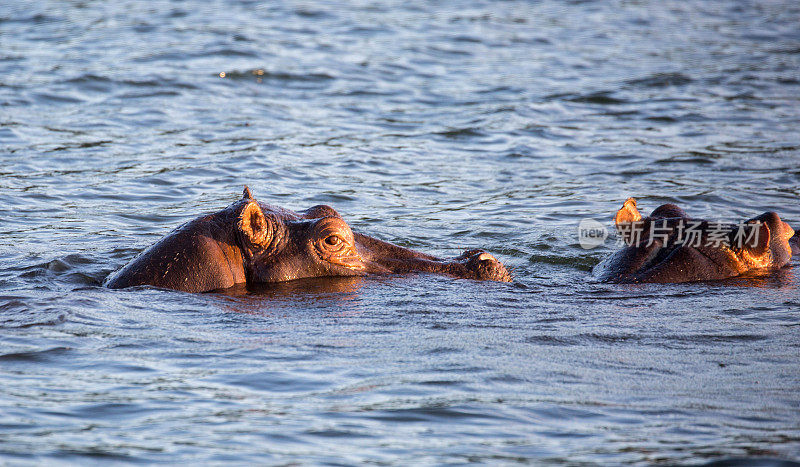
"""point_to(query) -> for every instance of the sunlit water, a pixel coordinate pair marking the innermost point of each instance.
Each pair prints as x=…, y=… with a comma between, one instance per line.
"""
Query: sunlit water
x=437, y=125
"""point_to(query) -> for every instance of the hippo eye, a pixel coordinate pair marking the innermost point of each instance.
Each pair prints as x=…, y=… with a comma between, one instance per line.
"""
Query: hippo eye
x=334, y=242
x=335, y=245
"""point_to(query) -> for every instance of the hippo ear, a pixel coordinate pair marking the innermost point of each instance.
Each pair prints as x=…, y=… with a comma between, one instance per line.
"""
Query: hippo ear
x=247, y=194
x=628, y=213
x=253, y=225
x=757, y=243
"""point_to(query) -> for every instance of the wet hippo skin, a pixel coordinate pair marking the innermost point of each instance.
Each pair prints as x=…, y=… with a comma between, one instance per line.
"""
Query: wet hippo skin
x=671, y=247
x=253, y=242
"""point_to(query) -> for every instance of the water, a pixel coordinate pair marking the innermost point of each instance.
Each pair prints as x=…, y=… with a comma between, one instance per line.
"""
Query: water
x=437, y=125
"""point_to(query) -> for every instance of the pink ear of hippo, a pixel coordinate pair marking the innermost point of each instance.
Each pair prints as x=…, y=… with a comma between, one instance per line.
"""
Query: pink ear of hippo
x=253, y=224
x=628, y=213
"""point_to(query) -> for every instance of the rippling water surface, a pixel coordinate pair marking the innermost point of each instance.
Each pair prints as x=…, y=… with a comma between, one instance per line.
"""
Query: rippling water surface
x=437, y=125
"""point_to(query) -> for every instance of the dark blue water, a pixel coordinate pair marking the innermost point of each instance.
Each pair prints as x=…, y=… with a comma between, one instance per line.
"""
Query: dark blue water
x=437, y=125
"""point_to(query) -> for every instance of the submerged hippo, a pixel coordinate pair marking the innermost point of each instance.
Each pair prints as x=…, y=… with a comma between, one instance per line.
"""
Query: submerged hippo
x=668, y=246
x=252, y=242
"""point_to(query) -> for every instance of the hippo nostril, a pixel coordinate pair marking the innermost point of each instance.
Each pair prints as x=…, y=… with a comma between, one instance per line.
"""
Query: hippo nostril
x=485, y=257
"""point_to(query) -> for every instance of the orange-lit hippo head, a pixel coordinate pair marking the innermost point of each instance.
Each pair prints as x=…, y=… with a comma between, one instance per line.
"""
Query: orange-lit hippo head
x=669, y=246
x=253, y=242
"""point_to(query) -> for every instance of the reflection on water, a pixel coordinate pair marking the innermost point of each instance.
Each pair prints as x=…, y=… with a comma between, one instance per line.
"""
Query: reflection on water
x=442, y=127
x=333, y=292
x=781, y=279
x=344, y=288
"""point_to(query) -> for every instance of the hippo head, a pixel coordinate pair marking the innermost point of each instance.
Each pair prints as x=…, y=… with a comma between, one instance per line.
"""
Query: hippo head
x=278, y=245
x=668, y=246
x=252, y=243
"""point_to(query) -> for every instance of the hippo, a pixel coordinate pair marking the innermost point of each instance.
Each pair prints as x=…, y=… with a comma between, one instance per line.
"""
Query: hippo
x=250, y=242
x=670, y=247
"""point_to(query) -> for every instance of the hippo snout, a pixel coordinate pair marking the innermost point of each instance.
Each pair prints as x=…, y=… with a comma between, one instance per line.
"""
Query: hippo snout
x=484, y=266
